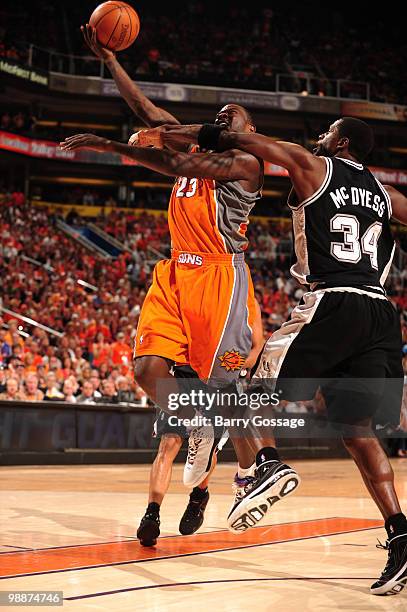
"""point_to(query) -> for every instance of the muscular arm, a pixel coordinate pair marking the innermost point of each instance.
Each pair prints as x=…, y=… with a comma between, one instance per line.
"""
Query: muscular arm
x=148, y=112
x=306, y=171
x=144, y=108
x=226, y=166
x=398, y=204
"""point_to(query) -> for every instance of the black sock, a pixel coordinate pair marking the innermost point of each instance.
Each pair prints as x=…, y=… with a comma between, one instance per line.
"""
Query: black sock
x=153, y=508
x=396, y=525
x=198, y=493
x=267, y=454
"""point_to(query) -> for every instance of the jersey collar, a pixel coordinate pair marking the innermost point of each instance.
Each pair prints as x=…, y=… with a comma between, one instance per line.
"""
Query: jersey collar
x=351, y=163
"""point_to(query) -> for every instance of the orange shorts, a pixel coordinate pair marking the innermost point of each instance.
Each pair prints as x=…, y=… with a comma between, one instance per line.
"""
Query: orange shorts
x=199, y=311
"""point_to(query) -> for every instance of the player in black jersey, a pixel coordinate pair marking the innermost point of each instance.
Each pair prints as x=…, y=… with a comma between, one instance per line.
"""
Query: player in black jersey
x=344, y=330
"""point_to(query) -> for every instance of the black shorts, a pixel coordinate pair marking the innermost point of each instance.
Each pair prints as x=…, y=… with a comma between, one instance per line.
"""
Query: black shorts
x=162, y=426
x=346, y=343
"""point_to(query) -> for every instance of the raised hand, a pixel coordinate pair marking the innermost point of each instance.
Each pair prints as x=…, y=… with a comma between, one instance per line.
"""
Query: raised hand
x=89, y=35
x=85, y=141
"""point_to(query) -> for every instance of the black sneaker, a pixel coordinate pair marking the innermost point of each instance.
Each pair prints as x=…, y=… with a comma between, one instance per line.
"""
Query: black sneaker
x=274, y=480
x=394, y=576
x=149, y=529
x=193, y=516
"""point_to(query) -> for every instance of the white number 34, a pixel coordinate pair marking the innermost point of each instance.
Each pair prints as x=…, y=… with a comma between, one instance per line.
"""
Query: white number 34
x=351, y=248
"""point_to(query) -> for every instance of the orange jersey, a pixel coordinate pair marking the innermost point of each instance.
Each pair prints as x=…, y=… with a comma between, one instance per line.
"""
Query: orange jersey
x=207, y=216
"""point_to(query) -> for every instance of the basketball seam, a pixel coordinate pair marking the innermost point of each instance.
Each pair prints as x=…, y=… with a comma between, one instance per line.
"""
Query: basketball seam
x=130, y=22
x=116, y=6
x=114, y=29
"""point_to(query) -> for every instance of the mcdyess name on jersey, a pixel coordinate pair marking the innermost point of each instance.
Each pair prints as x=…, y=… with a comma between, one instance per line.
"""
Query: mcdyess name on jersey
x=358, y=197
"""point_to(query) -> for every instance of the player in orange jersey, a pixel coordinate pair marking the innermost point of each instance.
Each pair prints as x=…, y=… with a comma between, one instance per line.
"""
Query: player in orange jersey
x=199, y=311
x=206, y=285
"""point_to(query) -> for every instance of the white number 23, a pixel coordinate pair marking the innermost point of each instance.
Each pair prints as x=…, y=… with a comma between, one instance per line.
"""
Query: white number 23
x=187, y=187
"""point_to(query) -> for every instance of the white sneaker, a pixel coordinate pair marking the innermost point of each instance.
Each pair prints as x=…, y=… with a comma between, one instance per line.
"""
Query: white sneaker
x=201, y=446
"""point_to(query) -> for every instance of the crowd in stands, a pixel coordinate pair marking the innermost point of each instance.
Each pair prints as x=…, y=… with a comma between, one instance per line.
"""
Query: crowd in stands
x=17, y=122
x=237, y=46
x=83, y=331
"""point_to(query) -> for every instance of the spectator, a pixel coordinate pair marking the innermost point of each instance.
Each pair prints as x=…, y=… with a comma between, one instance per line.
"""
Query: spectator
x=12, y=329
x=32, y=393
x=87, y=396
x=5, y=121
x=52, y=391
x=121, y=353
x=78, y=361
x=103, y=371
x=68, y=391
x=109, y=394
x=95, y=380
x=17, y=369
x=124, y=392
x=5, y=348
x=11, y=392
x=75, y=385
x=100, y=350
x=18, y=122
x=3, y=379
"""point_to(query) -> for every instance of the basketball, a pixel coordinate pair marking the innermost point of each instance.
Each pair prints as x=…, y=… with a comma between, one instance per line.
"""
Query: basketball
x=117, y=25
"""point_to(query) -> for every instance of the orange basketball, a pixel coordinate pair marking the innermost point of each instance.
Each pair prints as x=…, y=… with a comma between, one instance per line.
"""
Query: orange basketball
x=117, y=25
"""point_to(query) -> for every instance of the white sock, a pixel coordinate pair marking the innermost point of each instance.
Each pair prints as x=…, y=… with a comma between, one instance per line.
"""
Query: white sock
x=243, y=472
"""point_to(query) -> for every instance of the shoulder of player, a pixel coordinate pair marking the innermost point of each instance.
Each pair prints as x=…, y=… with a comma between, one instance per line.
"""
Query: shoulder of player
x=251, y=162
x=301, y=155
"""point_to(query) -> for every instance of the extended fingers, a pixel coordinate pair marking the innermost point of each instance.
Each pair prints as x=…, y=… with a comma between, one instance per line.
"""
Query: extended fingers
x=92, y=34
x=73, y=142
x=86, y=34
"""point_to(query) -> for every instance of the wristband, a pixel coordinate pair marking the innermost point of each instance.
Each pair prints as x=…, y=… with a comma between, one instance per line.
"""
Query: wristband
x=208, y=137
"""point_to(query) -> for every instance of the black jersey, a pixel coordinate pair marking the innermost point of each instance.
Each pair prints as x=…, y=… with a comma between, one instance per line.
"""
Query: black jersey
x=342, y=235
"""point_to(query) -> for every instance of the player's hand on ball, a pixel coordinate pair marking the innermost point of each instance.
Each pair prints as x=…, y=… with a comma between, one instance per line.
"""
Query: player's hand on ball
x=85, y=141
x=152, y=137
x=89, y=35
x=133, y=140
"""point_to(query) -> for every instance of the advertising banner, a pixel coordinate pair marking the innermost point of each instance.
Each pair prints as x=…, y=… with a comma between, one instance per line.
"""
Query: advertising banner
x=47, y=149
x=374, y=110
x=24, y=72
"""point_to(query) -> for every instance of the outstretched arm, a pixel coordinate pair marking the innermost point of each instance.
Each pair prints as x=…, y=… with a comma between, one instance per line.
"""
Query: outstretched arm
x=227, y=166
x=306, y=171
x=398, y=204
x=148, y=112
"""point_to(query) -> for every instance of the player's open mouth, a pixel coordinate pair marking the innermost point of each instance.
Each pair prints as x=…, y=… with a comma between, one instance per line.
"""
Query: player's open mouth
x=222, y=123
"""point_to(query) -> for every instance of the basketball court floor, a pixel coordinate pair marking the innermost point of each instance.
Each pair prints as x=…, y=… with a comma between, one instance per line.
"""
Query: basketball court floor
x=72, y=529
